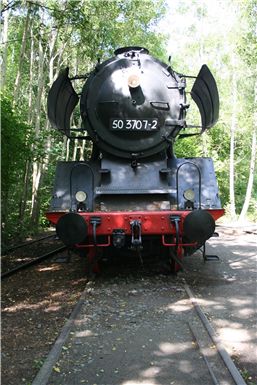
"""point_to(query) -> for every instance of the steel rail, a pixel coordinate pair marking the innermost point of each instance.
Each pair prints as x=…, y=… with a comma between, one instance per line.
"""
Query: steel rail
x=214, y=378
x=8, y=250
x=35, y=261
x=222, y=352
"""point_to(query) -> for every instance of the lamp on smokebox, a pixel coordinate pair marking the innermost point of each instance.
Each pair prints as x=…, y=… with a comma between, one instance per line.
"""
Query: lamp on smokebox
x=81, y=197
x=189, y=196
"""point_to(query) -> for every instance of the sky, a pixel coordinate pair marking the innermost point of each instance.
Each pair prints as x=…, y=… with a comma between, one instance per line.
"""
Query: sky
x=219, y=17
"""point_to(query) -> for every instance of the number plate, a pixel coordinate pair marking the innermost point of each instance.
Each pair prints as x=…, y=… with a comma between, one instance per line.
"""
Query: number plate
x=134, y=124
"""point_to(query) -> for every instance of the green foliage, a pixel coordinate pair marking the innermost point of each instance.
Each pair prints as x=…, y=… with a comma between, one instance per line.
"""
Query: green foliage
x=85, y=31
x=90, y=29
x=96, y=28
x=16, y=139
x=216, y=34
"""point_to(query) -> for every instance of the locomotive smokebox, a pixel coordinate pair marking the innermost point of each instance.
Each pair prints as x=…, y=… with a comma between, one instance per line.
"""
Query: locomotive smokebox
x=71, y=229
x=199, y=226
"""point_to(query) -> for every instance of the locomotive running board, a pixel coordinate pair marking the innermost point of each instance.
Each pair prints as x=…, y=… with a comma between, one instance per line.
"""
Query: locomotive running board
x=205, y=95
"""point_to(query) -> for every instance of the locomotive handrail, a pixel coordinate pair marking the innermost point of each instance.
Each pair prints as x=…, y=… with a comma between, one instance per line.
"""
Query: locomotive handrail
x=107, y=244
x=200, y=182
x=174, y=244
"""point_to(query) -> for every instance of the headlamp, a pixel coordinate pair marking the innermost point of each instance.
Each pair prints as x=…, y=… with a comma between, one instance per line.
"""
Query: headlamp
x=133, y=80
x=81, y=196
x=189, y=195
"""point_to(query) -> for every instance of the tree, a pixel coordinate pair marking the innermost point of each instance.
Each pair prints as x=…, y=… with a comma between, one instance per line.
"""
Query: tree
x=248, y=51
x=213, y=35
x=16, y=138
x=42, y=38
x=4, y=39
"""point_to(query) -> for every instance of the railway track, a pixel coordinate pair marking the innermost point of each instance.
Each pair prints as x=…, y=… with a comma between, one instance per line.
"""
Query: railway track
x=28, y=243
x=140, y=331
x=151, y=316
x=229, y=364
x=33, y=262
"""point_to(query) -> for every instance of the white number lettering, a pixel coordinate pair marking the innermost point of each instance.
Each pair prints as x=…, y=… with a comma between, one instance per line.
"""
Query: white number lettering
x=145, y=124
x=134, y=124
x=138, y=124
x=120, y=124
x=128, y=124
x=114, y=124
x=117, y=124
x=154, y=124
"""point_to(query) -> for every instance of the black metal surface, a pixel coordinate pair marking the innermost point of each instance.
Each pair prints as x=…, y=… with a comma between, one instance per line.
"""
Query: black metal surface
x=136, y=229
x=118, y=238
x=123, y=178
x=61, y=102
x=71, y=177
x=81, y=174
x=147, y=187
x=209, y=257
x=121, y=50
x=188, y=178
x=107, y=98
x=198, y=178
x=199, y=226
x=205, y=94
x=71, y=229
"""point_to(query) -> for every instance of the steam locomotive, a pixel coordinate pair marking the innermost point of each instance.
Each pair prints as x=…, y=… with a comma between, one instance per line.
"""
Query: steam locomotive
x=133, y=195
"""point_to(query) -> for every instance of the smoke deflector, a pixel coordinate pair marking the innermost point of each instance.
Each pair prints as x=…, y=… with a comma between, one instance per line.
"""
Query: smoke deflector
x=205, y=94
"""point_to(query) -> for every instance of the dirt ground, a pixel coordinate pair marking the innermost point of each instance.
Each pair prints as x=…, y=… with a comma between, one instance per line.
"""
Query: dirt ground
x=35, y=305
x=227, y=292
x=37, y=302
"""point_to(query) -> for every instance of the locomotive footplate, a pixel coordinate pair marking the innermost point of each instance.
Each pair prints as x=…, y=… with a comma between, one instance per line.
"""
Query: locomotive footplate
x=102, y=225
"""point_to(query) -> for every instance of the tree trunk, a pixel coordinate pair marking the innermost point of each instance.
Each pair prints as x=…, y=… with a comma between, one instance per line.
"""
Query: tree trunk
x=37, y=166
x=21, y=59
x=41, y=80
x=252, y=162
x=24, y=194
x=31, y=73
x=36, y=176
x=4, y=39
x=75, y=149
x=64, y=148
x=232, y=144
x=82, y=151
x=67, y=150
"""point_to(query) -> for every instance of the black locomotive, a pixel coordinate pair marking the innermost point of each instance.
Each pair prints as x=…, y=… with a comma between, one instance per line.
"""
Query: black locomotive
x=134, y=195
